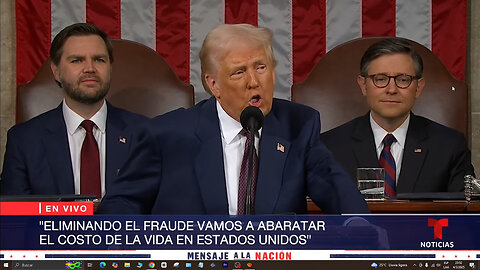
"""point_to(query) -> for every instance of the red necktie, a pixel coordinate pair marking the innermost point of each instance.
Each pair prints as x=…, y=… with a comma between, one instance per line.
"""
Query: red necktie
x=243, y=179
x=90, y=163
x=386, y=161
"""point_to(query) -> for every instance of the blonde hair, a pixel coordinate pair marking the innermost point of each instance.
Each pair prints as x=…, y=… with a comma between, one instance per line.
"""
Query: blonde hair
x=220, y=39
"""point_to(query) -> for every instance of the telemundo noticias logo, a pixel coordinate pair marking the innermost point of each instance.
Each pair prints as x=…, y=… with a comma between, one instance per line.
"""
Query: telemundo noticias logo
x=438, y=234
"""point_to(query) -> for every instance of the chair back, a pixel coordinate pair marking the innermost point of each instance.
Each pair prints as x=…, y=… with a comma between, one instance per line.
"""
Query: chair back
x=332, y=88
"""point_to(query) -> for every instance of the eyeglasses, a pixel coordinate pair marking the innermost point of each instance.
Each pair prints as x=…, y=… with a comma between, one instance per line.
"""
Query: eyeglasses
x=401, y=81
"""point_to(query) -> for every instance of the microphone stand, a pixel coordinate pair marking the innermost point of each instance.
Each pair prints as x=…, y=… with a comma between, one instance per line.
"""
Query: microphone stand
x=248, y=201
x=251, y=119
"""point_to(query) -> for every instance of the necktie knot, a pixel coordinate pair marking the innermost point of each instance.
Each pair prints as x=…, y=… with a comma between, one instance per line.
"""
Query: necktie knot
x=388, y=140
x=88, y=125
x=245, y=132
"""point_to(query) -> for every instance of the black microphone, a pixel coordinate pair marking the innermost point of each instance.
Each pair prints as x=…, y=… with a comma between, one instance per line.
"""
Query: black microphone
x=251, y=120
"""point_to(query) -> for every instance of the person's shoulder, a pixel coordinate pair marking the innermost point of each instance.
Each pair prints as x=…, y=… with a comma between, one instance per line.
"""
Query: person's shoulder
x=39, y=121
x=28, y=133
x=290, y=105
x=126, y=115
x=183, y=112
x=436, y=129
x=181, y=117
x=342, y=130
x=295, y=111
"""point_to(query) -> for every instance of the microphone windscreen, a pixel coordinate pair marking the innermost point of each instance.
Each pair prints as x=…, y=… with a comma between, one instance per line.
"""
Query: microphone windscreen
x=251, y=118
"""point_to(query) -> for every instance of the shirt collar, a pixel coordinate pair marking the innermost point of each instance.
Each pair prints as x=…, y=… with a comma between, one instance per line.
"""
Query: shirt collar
x=379, y=133
x=73, y=120
x=229, y=127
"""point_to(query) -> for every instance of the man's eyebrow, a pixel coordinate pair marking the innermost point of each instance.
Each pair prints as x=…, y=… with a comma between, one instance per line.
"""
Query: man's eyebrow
x=260, y=61
x=240, y=66
x=95, y=56
x=101, y=55
x=255, y=62
x=75, y=56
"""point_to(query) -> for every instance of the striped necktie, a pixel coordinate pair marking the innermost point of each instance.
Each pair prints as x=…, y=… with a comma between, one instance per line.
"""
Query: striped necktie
x=386, y=161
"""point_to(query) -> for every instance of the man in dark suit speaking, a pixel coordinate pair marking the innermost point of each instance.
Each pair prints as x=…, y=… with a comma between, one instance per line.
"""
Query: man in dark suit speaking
x=78, y=147
x=418, y=154
x=190, y=161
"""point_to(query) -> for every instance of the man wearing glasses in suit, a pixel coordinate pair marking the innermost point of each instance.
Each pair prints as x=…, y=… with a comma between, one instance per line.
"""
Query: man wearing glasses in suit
x=420, y=155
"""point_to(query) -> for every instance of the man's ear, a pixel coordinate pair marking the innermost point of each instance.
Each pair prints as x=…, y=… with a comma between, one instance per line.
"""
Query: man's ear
x=420, y=86
x=55, y=71
x=212, y=85
x=362, y=83
x=274, y=77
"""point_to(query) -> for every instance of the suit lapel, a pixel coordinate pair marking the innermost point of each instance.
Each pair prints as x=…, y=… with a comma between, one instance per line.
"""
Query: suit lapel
x=273, y=152
x=209, y=166
x=414, y=153
x=364, y=144
x=118, y=142
x=58, y=152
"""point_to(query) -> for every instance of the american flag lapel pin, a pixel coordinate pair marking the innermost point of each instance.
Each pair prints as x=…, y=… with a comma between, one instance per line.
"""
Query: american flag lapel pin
x=417, y=150
x=280, y=147
x=122, y=139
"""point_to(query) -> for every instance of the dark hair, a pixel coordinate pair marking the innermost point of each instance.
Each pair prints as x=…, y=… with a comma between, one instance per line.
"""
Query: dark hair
x=390, y=46
x=78, y=29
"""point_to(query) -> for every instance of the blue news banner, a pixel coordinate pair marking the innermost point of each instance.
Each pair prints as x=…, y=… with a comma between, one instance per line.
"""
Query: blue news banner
x=394, y=232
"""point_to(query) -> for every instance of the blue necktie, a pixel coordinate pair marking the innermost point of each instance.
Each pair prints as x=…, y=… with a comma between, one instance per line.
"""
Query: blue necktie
x=386, y=161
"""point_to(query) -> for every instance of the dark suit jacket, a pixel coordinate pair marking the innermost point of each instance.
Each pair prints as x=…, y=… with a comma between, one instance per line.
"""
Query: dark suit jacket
x=37, y=158
x=435, y=158
x=177, y=167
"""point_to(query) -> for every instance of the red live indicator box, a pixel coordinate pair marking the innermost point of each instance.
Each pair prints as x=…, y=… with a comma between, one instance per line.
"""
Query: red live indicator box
x=46, y=208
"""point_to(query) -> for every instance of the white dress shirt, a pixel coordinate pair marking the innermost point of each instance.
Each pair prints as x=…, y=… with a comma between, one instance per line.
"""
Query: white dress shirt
x=233, y=145
x=397, y=147
x=76, y=135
